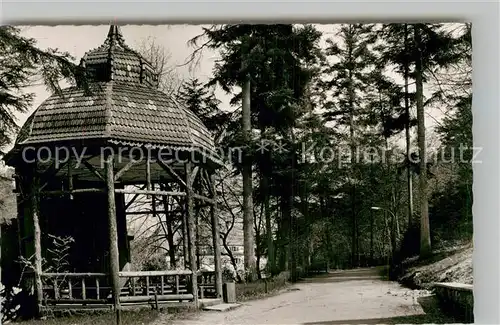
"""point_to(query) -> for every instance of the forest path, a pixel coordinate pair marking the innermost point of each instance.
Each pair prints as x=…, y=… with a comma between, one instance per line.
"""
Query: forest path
x=359, y=296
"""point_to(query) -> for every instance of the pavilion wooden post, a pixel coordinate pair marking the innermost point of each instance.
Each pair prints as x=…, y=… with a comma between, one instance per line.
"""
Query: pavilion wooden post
x=185, y=246
x=37, y=240
x=191, y=231
x=114, y=268
x=216, y=238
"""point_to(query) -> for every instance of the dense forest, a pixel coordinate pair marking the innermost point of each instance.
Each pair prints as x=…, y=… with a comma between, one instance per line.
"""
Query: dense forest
x=337, y=165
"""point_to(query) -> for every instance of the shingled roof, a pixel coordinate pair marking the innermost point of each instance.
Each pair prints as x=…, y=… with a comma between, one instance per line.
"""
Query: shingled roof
x=125, y=108
x=115, y=60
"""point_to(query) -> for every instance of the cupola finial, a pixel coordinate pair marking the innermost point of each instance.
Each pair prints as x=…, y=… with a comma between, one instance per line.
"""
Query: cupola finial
x=114, y=34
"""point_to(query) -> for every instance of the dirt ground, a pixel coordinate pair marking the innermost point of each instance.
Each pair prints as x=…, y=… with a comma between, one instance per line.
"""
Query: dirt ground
x=359, y=296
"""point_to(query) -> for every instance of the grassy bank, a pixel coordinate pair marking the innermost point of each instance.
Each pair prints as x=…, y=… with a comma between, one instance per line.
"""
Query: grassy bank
x=262, y=288
x=451, y=265
x=135, y=317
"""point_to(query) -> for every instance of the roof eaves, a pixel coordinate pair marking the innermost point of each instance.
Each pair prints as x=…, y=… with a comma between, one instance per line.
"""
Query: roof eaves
x=210, y=154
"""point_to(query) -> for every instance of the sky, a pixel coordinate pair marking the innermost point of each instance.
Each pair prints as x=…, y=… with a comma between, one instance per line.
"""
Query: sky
x=76, y=40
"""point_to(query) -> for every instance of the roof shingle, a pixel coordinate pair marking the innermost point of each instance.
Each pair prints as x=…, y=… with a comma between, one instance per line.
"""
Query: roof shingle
x=125, y=107
x=116, y=111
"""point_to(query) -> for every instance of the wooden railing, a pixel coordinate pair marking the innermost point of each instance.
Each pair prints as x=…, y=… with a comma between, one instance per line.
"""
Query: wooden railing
x=75, y=288
x=93, y=288
x=156, y=285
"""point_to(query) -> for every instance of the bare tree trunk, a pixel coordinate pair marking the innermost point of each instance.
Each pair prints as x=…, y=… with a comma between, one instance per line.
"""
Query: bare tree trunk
x=257, y=256
x=307, y=238
x=389, y=233
x=248, y=235
x=425, y=238
x=258, y=241
x=407, y=131
x=293, y=221
x=355, y=249
x=394, y=208
x=283, y=233
x=224, y=235
x=230, y=254
x=170, y=232
x=393, y=238
x=352, y=144
x=291, y=251
x=271, y=259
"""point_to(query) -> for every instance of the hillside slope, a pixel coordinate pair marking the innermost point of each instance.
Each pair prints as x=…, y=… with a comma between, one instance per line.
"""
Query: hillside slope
x=445, y=266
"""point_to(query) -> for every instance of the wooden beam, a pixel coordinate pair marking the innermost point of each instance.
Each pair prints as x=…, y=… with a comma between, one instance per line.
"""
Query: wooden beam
x=216, y=239
x=145, y=212
x=172, y=173
x=93, y=170
x=191, y=231
x=138, y=274
x=73, y=275
x=113, y=238
x=160, y=297
x=132, y=200
x=70, y=192
x=146, y=192
x=125, y=168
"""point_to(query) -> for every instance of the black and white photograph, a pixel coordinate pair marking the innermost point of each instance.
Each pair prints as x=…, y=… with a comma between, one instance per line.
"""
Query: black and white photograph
x=236, y=174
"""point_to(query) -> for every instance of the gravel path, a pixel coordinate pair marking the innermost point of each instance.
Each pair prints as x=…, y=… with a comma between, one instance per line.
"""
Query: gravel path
x=346, y=297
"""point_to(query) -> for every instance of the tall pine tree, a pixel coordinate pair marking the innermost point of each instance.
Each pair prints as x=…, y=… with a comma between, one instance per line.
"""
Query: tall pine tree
x=20, y=61
x=347, y=78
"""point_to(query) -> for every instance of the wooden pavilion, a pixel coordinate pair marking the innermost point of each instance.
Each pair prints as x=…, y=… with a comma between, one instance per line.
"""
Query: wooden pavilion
x=75, y=160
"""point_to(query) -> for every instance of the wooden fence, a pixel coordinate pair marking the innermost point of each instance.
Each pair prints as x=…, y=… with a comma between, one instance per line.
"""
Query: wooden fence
x=137, y=287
